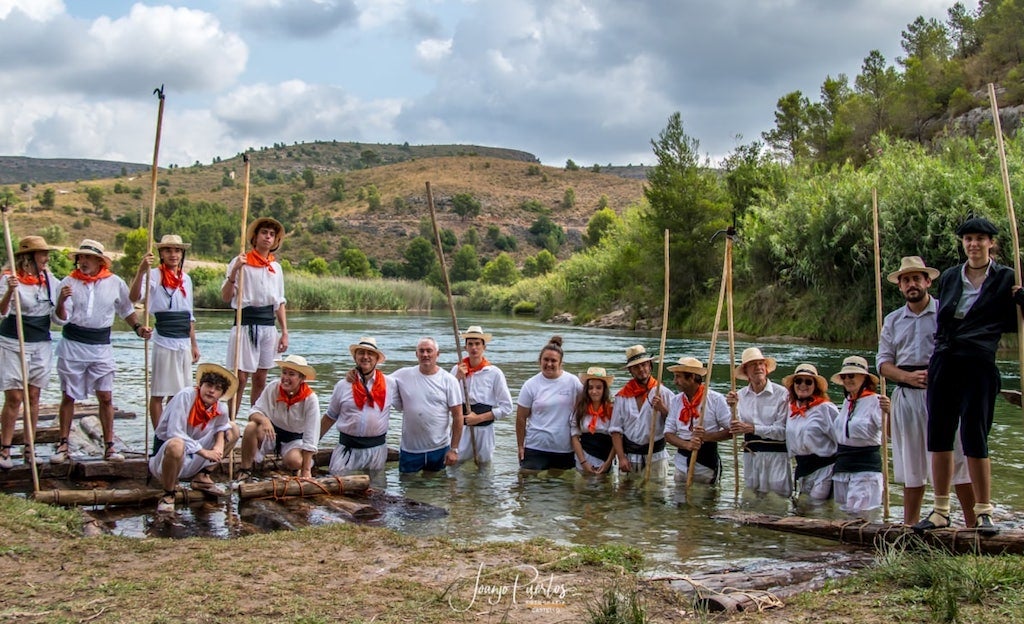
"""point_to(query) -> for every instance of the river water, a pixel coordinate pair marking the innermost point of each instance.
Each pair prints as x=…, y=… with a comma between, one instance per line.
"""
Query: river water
x=496, y=504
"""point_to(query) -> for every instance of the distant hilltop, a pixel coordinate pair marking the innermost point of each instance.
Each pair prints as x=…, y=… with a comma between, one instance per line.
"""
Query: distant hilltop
x=18, y=169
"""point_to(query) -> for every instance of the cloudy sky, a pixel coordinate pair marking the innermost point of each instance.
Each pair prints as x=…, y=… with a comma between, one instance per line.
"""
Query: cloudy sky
x=591, y=80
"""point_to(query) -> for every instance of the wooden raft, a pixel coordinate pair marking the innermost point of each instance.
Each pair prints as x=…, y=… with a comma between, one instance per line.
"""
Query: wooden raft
x=97, y=497
x=872, y=534
x=288, y=487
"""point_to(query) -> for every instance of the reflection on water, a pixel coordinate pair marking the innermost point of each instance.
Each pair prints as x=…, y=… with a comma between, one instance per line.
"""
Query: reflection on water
x=495, y=504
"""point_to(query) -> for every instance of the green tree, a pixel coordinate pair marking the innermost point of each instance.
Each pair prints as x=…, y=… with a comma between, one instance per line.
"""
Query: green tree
x=298, y=201
x=95, y=196
x=135, y=245
x=337, y=189
x=316, y=266
x=789, y=136
x=569, y=198
x=571, y=166
x=465, y=265
x=749, y=172
x=448, y=240
x=308, y=177
x=373, y=201
x=962, y=26
x=354, y=263
x=471, y=237
x=541, y=264
x=48, y=199
x=547, y=234
x=877, y=88
x=828, y=131
x=500, y=271
x=599, y=224
x=420, y=258
x=466, y=206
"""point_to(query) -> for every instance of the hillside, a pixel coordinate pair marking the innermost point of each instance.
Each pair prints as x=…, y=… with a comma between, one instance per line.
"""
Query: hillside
x=19, y=169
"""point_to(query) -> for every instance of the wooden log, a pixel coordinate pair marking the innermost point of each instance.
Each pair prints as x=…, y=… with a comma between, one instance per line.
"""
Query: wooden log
x=44, y=435
x=859, y=532
x=133, y=468
x=359, y=511
x=265, y=515
x=95, y=497
x=291, y=486
x=49, y=411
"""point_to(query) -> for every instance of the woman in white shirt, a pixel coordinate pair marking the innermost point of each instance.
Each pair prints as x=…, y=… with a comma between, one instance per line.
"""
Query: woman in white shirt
x=543, y=414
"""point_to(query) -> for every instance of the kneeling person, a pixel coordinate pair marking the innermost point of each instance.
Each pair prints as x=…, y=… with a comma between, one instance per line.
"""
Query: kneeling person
x=194, y=434
x=285, y=420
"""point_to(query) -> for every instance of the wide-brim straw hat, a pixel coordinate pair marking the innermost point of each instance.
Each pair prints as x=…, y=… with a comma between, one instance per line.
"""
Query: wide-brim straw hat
x=753, y=354
x=370, y=344
x=912, y=264
x=32, y=244
x=172, y=240
x=297, y=363
x=475, y=331
x=250, y=232
x=854, y=364
x=597, y=372
x=209, y=367
x=89, y=247
x=807, y=370
x=689, y=365
x=637, y=354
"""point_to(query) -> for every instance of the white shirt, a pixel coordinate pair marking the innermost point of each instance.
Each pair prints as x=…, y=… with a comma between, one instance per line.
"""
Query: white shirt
x=488, y=386
x=970, y=293
x=865, y=425
x=717, y=416
x=908, y=339
x=260, y=287
x=368, y=422
x=635, y=422
x=426, y=402
x=36, y=300
x=766, y=410
x=162, y=299
x=551, y=403
x=301, y=418
x=92, y=305
x=812, y=433
x=174, y=421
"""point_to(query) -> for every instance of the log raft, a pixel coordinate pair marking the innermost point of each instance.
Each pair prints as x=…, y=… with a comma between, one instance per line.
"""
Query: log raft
x=292, y=486
x=98, y=497
x=873, y=534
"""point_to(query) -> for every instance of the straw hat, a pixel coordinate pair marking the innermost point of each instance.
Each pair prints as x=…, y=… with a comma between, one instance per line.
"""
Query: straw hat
x=475, y=331
x=172, y=240
x=688, y=365
x=807, y=370
x=217, y=369
x=912, y=264
x=297, y=363
x=854, y=364
x=250, y=232
x=637, y=354
x=753, y=354
x=370, y=344
x=32, y=244
x=597, y=372
x=89, y=247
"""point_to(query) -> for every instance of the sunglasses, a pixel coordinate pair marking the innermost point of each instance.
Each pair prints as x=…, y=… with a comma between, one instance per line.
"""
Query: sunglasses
x=848, y=375
x=803, y=381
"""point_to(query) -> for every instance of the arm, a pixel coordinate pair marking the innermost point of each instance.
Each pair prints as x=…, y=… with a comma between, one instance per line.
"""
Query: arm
x=217, y=452
x=282, y=321
x=135, y=291
x=62, y=311
x=452, y=456
x=227, y=289
x=522, y=415
x=5, y=302
x=192, y=339
x=577, y=448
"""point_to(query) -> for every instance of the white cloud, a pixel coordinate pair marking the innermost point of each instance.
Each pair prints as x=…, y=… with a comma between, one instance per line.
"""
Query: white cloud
x=38, y=10
x=432, y=50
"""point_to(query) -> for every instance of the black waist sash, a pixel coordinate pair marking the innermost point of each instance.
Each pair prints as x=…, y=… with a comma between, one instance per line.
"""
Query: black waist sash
x=809, y=464
x=481, y=408
x=756, y=444
x=357, y=442
x=597, y=444
x=632, y=448
x=86, y=335
x=157, y=443
x=173, y=323
x=911, y=369
x=37, y=328
x=258, y=315
x=859, y=459
x=707, y=456
x=284, y=437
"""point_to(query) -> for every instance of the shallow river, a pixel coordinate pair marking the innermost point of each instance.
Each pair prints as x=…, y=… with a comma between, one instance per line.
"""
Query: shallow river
x=497, y=504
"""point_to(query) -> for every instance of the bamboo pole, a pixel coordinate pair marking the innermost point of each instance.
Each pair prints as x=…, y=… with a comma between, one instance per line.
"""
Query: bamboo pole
x=711, y=355
x=732, y=359
x=451, y=310
x=1008, y=194
x=71, y=498
x=881, y=379
x=237, y=400
x=149, y=249
x=26, y=402
x=661, y=367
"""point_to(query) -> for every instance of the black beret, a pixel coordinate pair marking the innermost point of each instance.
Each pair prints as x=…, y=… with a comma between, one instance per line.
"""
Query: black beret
x=977, y=225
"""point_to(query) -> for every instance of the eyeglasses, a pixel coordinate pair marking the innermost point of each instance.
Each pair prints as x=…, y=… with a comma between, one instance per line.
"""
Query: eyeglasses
x=803, y=381
x=848, y=375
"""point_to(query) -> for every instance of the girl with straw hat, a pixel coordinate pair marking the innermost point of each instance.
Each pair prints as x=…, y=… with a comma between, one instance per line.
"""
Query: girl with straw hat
x=591, y=441
x=857, y=475
x=809, y=432
x=37, y=289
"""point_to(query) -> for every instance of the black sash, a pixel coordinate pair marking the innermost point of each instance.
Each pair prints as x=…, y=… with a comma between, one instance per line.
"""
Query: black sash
x=173, y=323
x=597, y=444
x=157, y=443
x=284, y=437
x=756, y=444
x=481, y=408
x=37, y=328
x=86, y=335
x=707, y=456
x=356, y=442
x=632, y=448
x=911, y=369
x=859, y=459
x=258, y=315
x=809, y=464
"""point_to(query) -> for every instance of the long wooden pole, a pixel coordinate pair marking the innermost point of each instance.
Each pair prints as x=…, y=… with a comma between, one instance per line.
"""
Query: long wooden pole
x=711, y=355
x=149, y=249
x=451, y=310
x=237, y=400
x=1008, y=194
x=732, y=359
x=661, y=366
x=881, y=380
x=26, y=403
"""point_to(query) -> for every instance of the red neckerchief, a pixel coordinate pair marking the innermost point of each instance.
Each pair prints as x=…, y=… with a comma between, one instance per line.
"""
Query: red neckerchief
x=173, y=280
x=29, y=280
x=795, y=409
x=601, y=412
x=376, y=395
x=254, y=259
x=301, y=394
x=853, y=400
x=103, y=274
x=691, y=407
x=200, y=416
x=633, y=389
x=470, y=369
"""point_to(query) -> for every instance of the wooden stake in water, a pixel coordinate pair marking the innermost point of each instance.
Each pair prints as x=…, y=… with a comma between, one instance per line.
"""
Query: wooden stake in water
x=661, y=367
x=881, y=380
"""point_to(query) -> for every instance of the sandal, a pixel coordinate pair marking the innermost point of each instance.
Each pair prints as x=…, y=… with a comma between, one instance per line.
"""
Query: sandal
x=112, y=455
x=166, y=503
x=28, y=455
x=5, y=457
x=934, y=520
x=244, y=475
x=984, y=525
x=60, y=455
x=207, y=486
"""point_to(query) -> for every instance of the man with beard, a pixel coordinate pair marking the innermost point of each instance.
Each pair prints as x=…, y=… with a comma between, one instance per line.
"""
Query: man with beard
x=684, y=429
x=904, y=348
x=636, y=404
x=762, y=410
